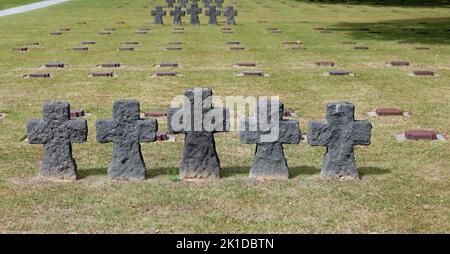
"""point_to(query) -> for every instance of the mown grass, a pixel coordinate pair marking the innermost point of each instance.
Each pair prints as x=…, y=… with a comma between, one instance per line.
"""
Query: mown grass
x=5, y=4
x=404, y=187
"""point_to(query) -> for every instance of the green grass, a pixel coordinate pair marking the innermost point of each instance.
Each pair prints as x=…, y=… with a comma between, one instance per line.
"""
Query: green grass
x=404, y=187
x=5, y=4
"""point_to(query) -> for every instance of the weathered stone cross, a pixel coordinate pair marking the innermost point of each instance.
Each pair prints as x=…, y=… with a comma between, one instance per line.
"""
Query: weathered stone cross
x=269, y=161
x=212, y=13
x=158, y=13
x=170, y=3
x=194, y=11
x=126, y=130
x=57, y=132
x=218, y=3
x=206, y=3
x=198, y=120
x=177, y=13
x=230, y=13
x=339, y=134
x=183, y=3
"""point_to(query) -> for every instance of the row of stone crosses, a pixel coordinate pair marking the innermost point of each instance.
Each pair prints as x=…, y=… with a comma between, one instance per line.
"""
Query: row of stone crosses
x=126, y=130
x=177, y=13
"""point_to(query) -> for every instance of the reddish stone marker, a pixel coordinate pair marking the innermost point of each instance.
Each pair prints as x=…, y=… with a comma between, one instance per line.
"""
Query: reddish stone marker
x=423, y=73
x=166, y=74
x=76, y=113
x=54, y=65
x=389, y=112
x=32, y=44
x=20, y=49
x=325, y=63
x=105, y=33
x=399, y=63
x=360, y=48
x=233, y=42
x=339, y=73
x=420, y=134
x=291, y=42
x=253, y=73
x=131, y=43
x=80, y=49
x=126, y=49
x=102, y=74
x=162, y=136
x=174, y=48
x=88, y=42
x=155, y=114
x=348, y=42
x=237, y=48
x=110, y=65
x=246, y=64
x=168, y=64
x=288, y=113
x=39, y=75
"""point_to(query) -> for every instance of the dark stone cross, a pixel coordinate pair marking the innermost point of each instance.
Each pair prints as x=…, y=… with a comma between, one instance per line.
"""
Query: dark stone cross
x=182, y=3
x=212, y=13
x=126, y=130
x=57, y=132
x=218, y=3
x=269, y=161
x=230, y=13
x=170, y=3
x=177, y=13
x=339, y=134
x=158, y=13
x=198, y=120
x=206, y=3
x=194, y=11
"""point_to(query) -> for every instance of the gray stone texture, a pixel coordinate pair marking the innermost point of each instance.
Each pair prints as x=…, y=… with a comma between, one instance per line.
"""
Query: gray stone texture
x=183, y=3
x=126, y=130
x=269, y=162
x=57, y=132
x=170, y=3
x=200, y=159
x=339, y=133
x=212, y=13
x=219, y=3
x=158, y=13
x=230, y=13
x=177, y=13
x=194, y=11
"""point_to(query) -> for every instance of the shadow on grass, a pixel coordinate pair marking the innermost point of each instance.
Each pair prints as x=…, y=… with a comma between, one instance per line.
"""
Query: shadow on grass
x=424, y=30
x=293, y=171
x=365, y=171
x=398, y=3
x=151, y=172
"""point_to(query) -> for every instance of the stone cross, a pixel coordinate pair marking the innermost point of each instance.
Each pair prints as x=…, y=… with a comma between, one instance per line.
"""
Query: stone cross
x=269, y=161
x=339, y=134
x=218, y=3
x=230, y=13
x=57, y=132
x=126, y=130
x=177, y=13
x=158, y=13
x=194, y=11
x=183, y=3
x=198, y=120
x=170, y=3
x=212, y=13
x=206, y=3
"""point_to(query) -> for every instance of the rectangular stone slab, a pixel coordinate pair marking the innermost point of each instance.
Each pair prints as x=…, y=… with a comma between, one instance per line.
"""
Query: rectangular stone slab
x=105, y=33
x=420, y=134
x=162, y=136
x=174, y=48
x=76, y=113
x=246, y=64
x=55, y=33
x=88, y=42
x=237, y=48
x=131, y=43
x=423, y=73
x=168, y=64
x=54, y=65
x=253, y=73
x=166, y=73
x=126, y=49
x=389, y=112
x=20, y=49
x=325, y=63
x=339, y=73
x=102, y=74
x=233, y=42
x=140, y=32
x=80, y=49
x=110, y=65
x=39, y=75
x=360, y=48
x=155, y=114
x=399, y=63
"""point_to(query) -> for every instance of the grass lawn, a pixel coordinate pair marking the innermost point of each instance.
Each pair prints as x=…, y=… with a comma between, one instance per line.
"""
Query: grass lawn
x=5, y=4
x=404, y=187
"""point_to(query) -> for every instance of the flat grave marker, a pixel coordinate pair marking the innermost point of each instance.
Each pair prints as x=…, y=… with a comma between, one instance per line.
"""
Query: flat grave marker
x=252, y=73
x=74, y=113
x=54, y=65
x=419, y=134
x=325, y=63
x=423, y=73
x=110, y=65
x=167, y=64
x=388, y=112
x=398, y=63
x=102, y=74
x=339, y=73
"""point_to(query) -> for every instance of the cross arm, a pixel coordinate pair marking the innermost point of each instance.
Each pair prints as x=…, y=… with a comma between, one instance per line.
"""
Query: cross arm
x=175, y=115
x=318, y=133
x=35, y=132
x=362, y=132
x=104, y=130
x=289, y=132
x=147, y=130
x=78, y=130
x=221, y=122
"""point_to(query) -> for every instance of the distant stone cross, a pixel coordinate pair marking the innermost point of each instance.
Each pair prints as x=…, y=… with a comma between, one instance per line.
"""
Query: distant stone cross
x=269, y=161
x=170, y=3
x=218, y=3
x=194, y=11
x=177, y=13
x=339, y=134
x=230, y=13
x=200, y=160
x=126, y=130
x=183, y=3
x=212, y=13
x=57, y=132
x=158, y=13
x=206, y=3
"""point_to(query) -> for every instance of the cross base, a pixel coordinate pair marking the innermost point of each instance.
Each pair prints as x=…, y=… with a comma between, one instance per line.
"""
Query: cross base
x=269, y=162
